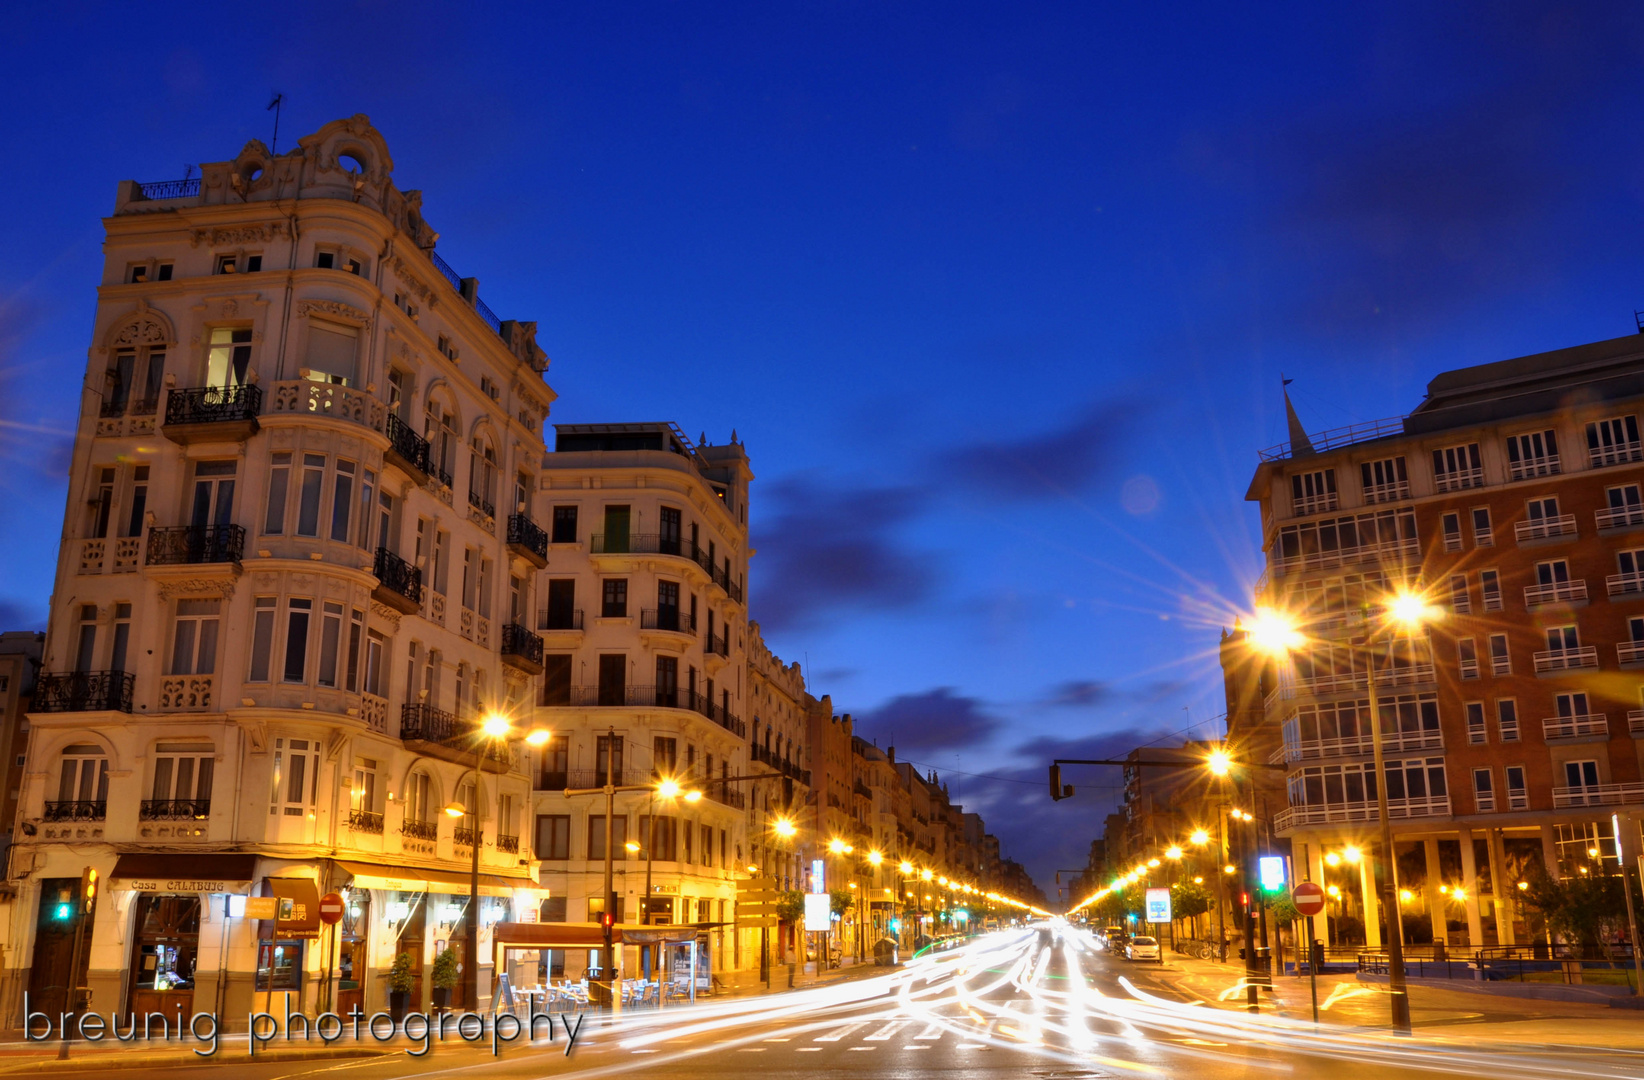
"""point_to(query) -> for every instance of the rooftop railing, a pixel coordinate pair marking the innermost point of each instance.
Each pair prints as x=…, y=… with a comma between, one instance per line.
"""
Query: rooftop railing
x=170, y=189
x=1335, y=438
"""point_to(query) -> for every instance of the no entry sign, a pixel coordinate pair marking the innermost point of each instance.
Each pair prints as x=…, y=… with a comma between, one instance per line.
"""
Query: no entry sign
x=331, y=908
x=1308, y=896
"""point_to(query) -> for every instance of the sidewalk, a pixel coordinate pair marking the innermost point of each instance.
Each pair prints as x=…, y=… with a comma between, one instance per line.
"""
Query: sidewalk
x=747, y=983
x=1344, y=1000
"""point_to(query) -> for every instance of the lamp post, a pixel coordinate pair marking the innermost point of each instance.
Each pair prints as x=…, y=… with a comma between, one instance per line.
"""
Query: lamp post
x=1276, y=634
x=493, y=727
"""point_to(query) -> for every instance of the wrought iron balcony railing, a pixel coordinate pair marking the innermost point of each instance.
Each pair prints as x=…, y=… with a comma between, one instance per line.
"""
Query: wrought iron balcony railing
x=661, y=619
x=365, y=821
x=559, y=619
x=508, y=843
x=84, y=691
x=408, y=447
x=420, y=830
x=174, y=809
x=214, y=404
x=187, y=545
x=397, y=575
x=463, y=836
x=527, y=537
x=481, y=503
x=422, y=722
x=77, y=810
x=520, y=642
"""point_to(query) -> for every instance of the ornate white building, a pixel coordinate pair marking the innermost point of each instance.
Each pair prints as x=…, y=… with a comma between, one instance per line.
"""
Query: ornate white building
x=297, y=561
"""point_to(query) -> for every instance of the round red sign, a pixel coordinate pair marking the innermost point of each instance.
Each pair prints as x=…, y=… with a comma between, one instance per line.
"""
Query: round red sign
x=1308, y=896
x=331, y=908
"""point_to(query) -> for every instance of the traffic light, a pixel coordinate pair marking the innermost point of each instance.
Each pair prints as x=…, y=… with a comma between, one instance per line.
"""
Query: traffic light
x=1058, y=790
x=88, y=889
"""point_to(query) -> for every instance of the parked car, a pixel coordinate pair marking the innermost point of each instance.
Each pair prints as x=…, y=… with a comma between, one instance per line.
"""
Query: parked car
x=1142, y=948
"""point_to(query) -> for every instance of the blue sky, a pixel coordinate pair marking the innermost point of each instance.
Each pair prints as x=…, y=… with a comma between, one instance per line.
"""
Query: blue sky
x=998, y=297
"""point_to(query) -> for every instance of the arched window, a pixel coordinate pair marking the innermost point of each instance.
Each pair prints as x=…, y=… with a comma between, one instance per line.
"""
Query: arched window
x=419, y=797
x=462, y=688
x=82, y=786
x=182, y=781
x=440, y=429
x=482, y=477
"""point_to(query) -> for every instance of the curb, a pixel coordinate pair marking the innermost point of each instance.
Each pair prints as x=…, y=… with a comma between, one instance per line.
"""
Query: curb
x=122, y=1060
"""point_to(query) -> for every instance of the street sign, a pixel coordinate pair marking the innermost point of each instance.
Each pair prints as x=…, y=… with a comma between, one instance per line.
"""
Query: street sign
x=1158, y=905
x=818, y=912
x=262, y=907
x=1270, y=871
x=331, y=908
x=1308, y=896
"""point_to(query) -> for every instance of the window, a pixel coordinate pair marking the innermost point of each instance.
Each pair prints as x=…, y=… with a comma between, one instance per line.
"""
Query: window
x=1384, y=480
x=482, y=477
x=1468, y=653
x=229, y=357
x=119, y=383
x=470, y=578
x=213, y=493
x=122, y=637
x=1313, y=491
x=1563, y=639
x=1456, y=468
x=664, y=755
x=182, y=773
x=1518, y=795
x=446, y=349
x=84, y=778
x=355, y=267
x=194, y=637
x=376, y=652
x=1613, y=441
x=138, y=273
x=1623, y=507
x=442, y=561
x=596, y=837
x=615, y=604
x=331, y=620
x=608, y=759
x=279, y=485
x=1572, y=704
x=1483, y=535
x=706, y=851
x=333, y=351
x=1580, y=774
x=565, y=525
x=1475, y=722
x=1460, y=602
x=102, y=504
x=1507, y=719
x=1532, y=454
x=325, y=260
x=225, y=264
x=1484, y=795
x=363, y=794
x=553, y=842
x=556, y=758
x=556, y=679
x=669, y=523
x=342, y=500
x=440, y=429
x=1452, y=532
x=1489, y=582
x=308, y=499
x=664, y=841
x=262, y=638
x=1417, y=778
x=419, y=797
x=296, y=779
x=163, y=273
x=667, y=683
x=1501, y=663
x=85, y=654
x=1327, y=543
x=298, y=612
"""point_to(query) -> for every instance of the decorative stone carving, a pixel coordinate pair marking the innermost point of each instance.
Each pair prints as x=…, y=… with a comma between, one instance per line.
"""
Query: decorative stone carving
x=128, y=552
x=91, y=556
x=198, y=587
x=255, y=233
x=327, y=399
x=231, y=308
x=466, y=623
x=410, y=281
x=334, y=308
x=387, y=615
x=185, y=692
x=436, y=608
x=374, y=711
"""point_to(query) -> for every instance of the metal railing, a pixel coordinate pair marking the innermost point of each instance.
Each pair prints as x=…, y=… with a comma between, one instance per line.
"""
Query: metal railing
x=1566, y=659
x=1326, y=813
x=1389, y=492
x=1459, y=480
x=170, y=189
x=213, y=404
x=420, y=830
x=508, y=843
x=488, y=315
x=1575, y=727
x=1525, y=468
x=556, y=619
x=463, y=836
x=1624, y=584
x=593, y=778
x=657, y=698
x=725, y=796
x=1619, y=517
x=1357, y=745
x=84, y=691
x=666, y=544
x=174, y=809
x=520, y=642
x=1539, y=963
x=662, y=619
x=445, y=268
x=1597, y=795
x=1629, y=652
x=527, y=534
x=1556, y=592
x=1545, y=528
x=1338, y=437
x=1396, y=550
x=412, y=449
x=1615, y=454
x=719, y=644
x=481, y=503
x=182, y=545
x=422, y=722
x=1314, y=504
x=398, y=576
x=365, y=821
x=76, y=810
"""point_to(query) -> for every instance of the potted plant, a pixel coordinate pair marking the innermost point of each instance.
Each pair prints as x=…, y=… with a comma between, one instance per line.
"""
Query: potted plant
x=401, y=982
x=444, y=977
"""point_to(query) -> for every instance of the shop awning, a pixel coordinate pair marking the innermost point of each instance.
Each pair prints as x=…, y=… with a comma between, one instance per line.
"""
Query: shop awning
x=527, y=935
x=429, y=879
x=299, y=909
x=177, y=872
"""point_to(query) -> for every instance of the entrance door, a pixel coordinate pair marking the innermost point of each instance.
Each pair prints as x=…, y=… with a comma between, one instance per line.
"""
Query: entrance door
x=351, y=953
x=165, y=944
x=52, y=971
x=411, y=941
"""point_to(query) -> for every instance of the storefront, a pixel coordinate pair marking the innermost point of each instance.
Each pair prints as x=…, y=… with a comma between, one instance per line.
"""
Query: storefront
x=282, y=942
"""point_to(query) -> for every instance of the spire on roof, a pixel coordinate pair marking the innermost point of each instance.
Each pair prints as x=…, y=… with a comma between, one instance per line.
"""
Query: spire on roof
x=1300, y=444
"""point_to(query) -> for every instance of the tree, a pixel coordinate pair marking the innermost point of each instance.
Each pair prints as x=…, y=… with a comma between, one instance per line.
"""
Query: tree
x=1189, y=898
x=790, y=907
x=1119, y=903
x=1283, y=910
x=1583, y=908
x=841, y=901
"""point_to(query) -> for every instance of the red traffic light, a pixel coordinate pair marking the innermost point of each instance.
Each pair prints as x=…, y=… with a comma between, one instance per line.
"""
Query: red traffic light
x=607, y=920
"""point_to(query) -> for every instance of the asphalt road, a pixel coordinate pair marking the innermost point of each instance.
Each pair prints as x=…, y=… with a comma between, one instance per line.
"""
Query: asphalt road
x=1046, y=1004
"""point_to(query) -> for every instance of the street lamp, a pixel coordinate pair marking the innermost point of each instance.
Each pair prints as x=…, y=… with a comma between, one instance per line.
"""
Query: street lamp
x=1277, y=636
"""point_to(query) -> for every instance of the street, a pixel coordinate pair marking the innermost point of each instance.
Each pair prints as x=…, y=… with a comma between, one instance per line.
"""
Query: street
x=1046, y=1001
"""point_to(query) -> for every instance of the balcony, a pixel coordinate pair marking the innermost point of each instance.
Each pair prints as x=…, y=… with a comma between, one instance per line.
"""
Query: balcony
x=655, y=697
x=77, y=810
x=1314, y=504
x=482, y=504
x=1360, y=745
x=420, y=830
x=1525, y=468
x=1630, y=654
x=640, y=544
x=1625, y=584
x=719, y=645
x=83, y=691
x=1393, y=551
x=365, y=821
x=1598, y=795
x=724, y=796
x=1618, y=517
x=861, y=790
x=559, y=619
x=174, y=809
x=1556, y=592
x=1539, y=529
x=408, y=450
x=212, y=414
x=585, y=779
x=1383, y=493
x=399, y=584
x=330, y=401
x=194, y=545
x=451, y=738
x=663, y=619
x=1330, y=813
x=521, y=649
x=527, y=540
x=1338, y=682
x=1615, y=454
x=1460, y=480
x=1564, y=728
x=508, y=843
x=1584, y=658
x=463, y=836
x=1635, y=723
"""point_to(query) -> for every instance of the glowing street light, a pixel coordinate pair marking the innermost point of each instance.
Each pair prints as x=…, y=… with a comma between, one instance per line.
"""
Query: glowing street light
x=875, y=858
x=1219, y=762
x=1199, y=838
x=906, y=869
x=785, y=827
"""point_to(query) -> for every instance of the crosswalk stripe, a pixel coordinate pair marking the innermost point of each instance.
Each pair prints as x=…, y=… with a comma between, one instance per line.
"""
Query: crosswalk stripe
x=934, y=1031
x=839, y=1033
x=885, y=1033
x=809, y=1049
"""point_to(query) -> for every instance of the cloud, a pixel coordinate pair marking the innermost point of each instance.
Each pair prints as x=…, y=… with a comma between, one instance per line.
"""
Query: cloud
x=828, y=550
x=930, y=722
x=1055, y=462
x=22, y=614
x=1080, y=693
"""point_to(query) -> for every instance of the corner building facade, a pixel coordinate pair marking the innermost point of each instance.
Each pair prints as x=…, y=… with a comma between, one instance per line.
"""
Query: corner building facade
x=1512, y=725
x=296, y=563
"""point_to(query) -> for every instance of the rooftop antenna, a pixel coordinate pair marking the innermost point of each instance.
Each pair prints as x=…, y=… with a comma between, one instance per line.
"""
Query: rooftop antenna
x=188, y=173
x=279, y=99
